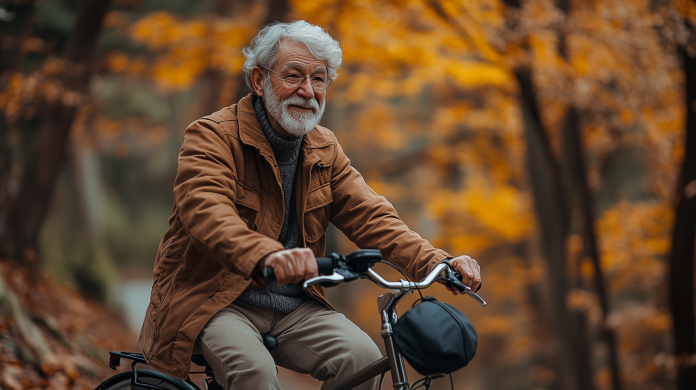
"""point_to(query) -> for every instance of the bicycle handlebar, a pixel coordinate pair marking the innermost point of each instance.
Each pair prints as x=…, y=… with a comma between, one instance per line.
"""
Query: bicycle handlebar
x=335, y=269
x=404, y=284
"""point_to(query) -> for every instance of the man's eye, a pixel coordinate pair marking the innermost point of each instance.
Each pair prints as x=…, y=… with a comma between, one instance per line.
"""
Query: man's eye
x=293, y=77
x=320, y=78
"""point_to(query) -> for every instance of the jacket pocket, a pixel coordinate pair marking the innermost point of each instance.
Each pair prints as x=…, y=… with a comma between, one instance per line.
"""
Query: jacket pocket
x=169, y=262
x=248, y=204
x=317, y=212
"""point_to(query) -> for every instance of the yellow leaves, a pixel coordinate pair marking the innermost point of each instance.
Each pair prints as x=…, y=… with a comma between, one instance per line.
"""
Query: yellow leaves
x=121, y=63
x=190, y=46
x=486, y=11
x=186, y=57
x=501, y=209
x=481, y=215
x=9, y=102
x=23, y=93
x=634, y=237
x=476, y=74
x=470, y=243
x=179, y=67
x=378, y=124
x=544, y=46
x=472, y=30
x=157, y=30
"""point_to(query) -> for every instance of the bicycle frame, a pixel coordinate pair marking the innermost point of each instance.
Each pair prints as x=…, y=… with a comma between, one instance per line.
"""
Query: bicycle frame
x=393, y=362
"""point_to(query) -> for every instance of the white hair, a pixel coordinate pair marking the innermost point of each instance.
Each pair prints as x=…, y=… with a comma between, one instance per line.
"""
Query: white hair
x=264, y=47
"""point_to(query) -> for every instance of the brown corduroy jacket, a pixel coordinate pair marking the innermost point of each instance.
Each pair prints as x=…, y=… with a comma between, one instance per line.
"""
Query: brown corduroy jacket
x=227, y=215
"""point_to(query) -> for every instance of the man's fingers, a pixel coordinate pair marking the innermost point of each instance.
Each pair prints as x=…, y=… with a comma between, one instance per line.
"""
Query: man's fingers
x=453, y=290
x=464, y=268
x=279, y=272
x=311, y=268
x=469, y=269
x=468, y=274
x=286, y=263
x=476, y=274
x=298, y=272
x=293, y=265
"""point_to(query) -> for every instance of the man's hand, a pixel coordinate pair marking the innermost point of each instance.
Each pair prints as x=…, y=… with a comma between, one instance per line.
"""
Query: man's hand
x=291, y=265
x=470, y=270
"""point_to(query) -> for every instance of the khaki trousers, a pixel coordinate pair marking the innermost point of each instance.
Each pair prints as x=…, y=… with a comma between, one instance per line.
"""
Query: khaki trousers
x=312, y=340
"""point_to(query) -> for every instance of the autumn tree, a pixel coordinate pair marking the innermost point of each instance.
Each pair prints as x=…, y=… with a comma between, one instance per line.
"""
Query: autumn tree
x=680, y=31
x=24, y=213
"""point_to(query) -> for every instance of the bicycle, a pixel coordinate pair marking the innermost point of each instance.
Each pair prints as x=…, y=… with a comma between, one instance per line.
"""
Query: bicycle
x=333, y=270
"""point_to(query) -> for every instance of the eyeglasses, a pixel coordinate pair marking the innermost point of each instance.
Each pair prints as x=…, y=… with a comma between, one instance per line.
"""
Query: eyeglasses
x=294, y=79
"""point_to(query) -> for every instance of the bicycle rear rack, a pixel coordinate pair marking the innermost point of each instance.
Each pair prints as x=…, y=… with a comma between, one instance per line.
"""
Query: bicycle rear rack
x=115, y=358
x=138, y=358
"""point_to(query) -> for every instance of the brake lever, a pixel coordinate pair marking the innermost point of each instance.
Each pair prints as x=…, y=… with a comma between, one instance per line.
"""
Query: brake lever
x=454, y=279
x=325, y=280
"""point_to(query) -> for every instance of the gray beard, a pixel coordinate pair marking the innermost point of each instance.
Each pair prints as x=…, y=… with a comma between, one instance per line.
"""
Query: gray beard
x=296, y=124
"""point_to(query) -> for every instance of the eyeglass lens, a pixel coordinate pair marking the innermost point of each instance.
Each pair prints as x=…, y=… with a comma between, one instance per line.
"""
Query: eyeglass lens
x=319, y=81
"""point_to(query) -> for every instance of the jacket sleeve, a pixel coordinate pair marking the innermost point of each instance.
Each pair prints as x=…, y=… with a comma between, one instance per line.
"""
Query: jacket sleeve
x=371, y=222
x=204, y=196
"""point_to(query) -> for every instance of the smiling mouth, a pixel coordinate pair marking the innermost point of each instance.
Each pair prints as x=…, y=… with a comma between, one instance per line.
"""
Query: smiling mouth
x=301, y=108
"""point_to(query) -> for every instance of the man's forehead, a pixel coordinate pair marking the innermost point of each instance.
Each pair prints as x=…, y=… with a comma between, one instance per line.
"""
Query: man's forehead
x=295, y=65
x=296, y=55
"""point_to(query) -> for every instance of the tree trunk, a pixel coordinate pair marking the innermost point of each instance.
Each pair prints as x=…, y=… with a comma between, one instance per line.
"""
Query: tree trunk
x=46, y=159
x=681, y=257
x=214, y=79
x=278, y=11
x=553, y=217
x=583, y=199
x=14, y=33
x=577, y=171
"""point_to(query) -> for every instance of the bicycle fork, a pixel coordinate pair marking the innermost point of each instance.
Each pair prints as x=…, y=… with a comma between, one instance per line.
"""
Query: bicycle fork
x=387, y=310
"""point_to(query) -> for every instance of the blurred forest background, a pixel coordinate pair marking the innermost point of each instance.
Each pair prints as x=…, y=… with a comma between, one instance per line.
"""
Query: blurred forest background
x=552, y=140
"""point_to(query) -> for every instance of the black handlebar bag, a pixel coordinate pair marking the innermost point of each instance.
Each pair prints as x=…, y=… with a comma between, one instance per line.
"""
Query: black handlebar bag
x=435, y=337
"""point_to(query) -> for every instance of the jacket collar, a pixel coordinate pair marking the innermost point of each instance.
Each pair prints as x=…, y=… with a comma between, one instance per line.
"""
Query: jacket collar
x=250, y=132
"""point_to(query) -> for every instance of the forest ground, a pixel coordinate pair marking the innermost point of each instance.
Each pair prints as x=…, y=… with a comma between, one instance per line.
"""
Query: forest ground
x=51, y=337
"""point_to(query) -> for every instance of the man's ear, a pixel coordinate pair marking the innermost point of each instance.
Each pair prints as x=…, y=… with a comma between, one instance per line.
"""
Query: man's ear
x=257, y=80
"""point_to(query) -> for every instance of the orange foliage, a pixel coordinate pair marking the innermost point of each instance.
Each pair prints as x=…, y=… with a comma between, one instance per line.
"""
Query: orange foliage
x=189, y=47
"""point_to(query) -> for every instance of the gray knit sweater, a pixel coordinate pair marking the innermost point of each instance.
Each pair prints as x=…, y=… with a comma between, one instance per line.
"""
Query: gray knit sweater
x=290, y=296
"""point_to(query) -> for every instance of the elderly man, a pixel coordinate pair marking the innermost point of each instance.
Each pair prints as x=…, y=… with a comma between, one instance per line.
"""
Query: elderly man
x=257, y=185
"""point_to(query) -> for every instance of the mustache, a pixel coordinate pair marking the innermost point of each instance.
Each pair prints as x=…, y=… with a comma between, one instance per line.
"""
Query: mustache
x=301, y=102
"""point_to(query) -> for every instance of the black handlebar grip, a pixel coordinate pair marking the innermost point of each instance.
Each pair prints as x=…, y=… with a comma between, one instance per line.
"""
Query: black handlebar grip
x=325, y=265
x=268, y=273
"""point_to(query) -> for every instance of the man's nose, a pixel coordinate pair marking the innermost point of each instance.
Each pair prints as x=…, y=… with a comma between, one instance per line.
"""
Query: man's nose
x=306, y=90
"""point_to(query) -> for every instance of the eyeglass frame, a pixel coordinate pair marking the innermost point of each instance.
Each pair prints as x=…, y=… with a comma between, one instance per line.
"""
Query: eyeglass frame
x=306, y=77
